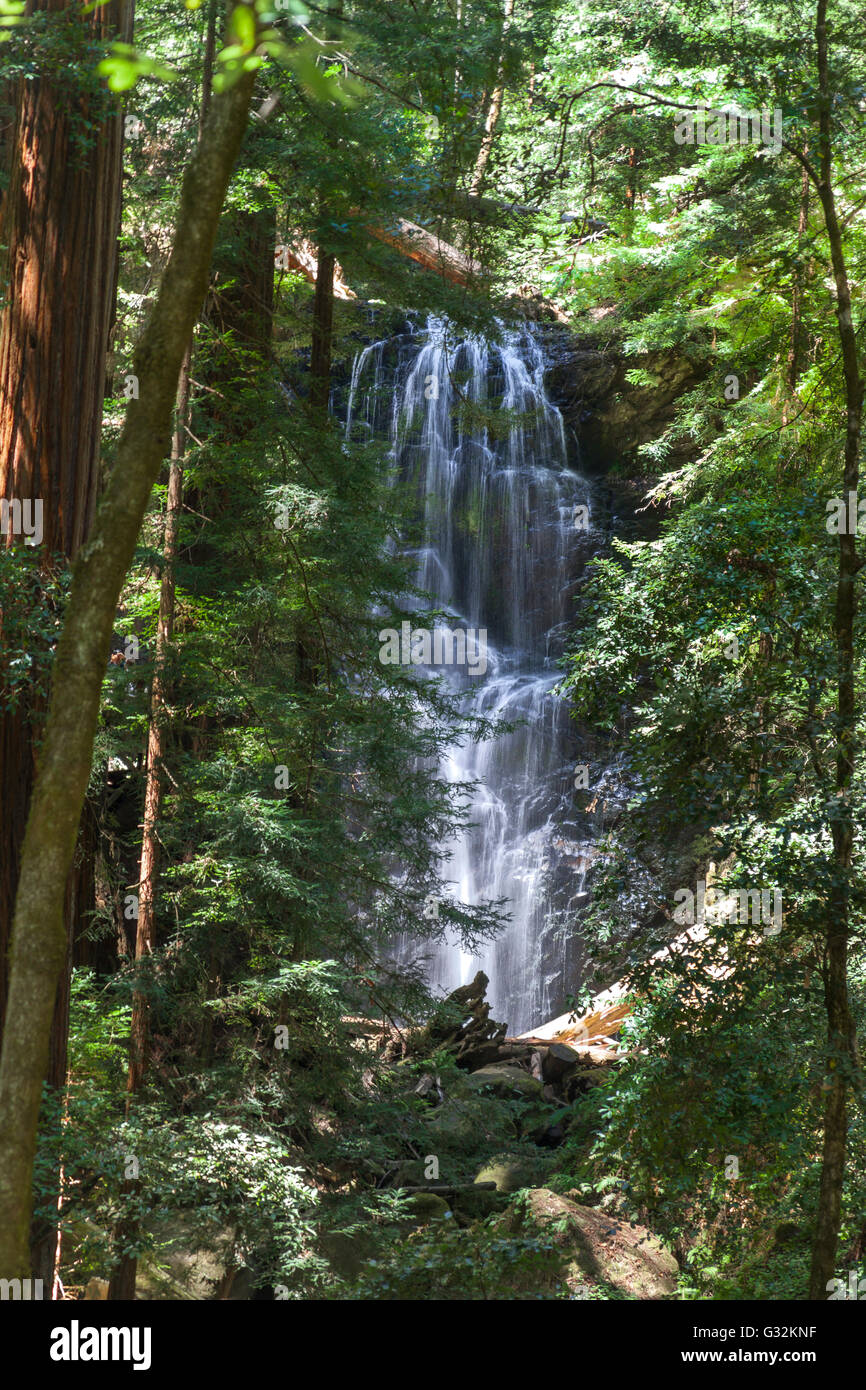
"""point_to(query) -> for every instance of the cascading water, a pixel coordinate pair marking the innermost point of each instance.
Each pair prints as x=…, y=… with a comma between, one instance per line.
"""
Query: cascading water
x=505, y=542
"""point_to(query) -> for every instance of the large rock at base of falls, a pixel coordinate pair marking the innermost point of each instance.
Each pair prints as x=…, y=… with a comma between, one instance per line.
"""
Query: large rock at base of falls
x=596, y=1248
x=469, y=1122
x=507, y=1081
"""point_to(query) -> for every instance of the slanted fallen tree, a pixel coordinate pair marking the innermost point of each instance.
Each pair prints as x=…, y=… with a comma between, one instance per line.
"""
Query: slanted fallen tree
x=302, y=256
x=410, y=240
x=593, y=1034
x=429, y=251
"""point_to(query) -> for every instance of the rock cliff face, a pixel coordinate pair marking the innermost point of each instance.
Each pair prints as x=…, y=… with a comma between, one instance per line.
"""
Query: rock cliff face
x=610, y=415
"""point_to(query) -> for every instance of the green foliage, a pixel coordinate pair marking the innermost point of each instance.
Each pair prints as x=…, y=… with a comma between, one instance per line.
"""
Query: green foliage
x=302, y=811
x=31, y=603
x=473, y=1264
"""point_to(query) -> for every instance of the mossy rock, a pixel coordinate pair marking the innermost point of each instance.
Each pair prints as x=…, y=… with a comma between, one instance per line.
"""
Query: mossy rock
x=597, y=1249
x=507, y=1082
x=477, y=1203
x=347, y=1254
x=426, y=1206
x=470, y=1124
x=511, y=1172
x=191, y=1261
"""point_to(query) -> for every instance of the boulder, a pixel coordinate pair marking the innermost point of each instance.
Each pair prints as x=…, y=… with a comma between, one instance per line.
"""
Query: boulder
x=511, y=1172
x=426, y=1206
x=596, y=1248
x=581, y=1080
x=507, y=1081
x=347, y=1254
x=611, y=414
x=476, y=1203
x=468, y=1122
x=191, y=1263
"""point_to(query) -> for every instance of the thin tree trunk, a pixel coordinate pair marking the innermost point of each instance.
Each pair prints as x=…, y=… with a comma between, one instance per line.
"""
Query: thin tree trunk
x=494, y=109
x=326, y=263
x=323, y=321
x=795, y=355
x=841, y=1041
x=39, y=938
x=60, y=223
x=123, y=1279
x=156, y=738
x=122, y=1283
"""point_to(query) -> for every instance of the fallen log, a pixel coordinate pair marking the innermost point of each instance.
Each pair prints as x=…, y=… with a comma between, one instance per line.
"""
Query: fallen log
x=450, y=1187
x=557, y=1060
x=412, y=241
x=302, y=256
x=593, y=1034
x=429, y=251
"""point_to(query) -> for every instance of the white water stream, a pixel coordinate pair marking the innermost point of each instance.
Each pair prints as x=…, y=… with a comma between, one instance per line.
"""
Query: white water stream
x=501, y=551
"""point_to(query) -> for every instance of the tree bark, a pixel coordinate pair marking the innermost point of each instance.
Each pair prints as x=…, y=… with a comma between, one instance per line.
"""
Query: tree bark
x=425, y=248
x=156, y=737
x=39, y=940
x=494, y=109
x=60, y=223
x=323, y=324
x=842, y=1062
x=795, y=354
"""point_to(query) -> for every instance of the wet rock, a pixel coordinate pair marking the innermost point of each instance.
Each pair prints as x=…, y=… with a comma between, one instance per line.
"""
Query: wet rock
x=611, y=415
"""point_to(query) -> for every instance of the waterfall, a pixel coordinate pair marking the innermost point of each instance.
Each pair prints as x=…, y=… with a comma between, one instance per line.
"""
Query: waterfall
x=504, y=544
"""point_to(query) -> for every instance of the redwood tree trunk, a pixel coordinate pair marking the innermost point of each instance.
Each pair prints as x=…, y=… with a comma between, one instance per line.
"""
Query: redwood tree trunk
x=60, y=223
x=39, y=938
